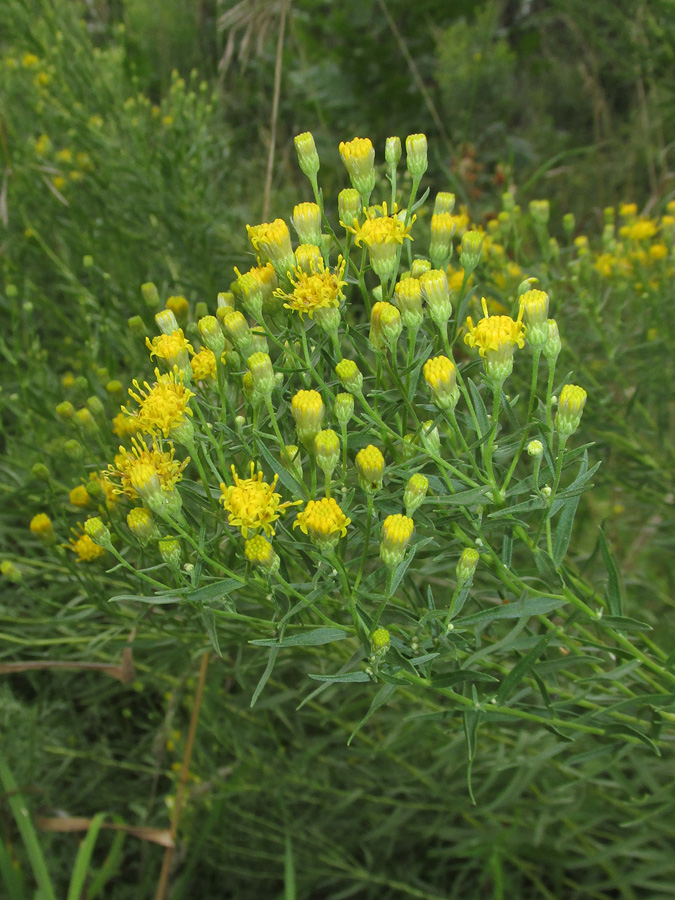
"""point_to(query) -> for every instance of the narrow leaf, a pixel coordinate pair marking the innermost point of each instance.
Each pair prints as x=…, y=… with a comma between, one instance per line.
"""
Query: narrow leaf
x=83, y=858
x=380, y=698
x=614, y=595
x=563, y=532
x=517, y=609
x=347, y=677
x=313, y=638
x=209, y=620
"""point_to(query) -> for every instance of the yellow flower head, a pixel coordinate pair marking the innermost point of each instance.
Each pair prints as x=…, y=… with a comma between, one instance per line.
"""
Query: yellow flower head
x=204, y=365
x=79, y=496
x=382, y=234
x=172, y=348
x=41, y=526
x=642, y=230
x=496, y=338
x=323, y=521
x=320, y=288
x=252, y=503
x=359, y=159
x=308, y=411
x=271, y=242
x=83, y=546
x=178, y=306
x=29, y=60
x=259, y=551
x=125, y=425
x=440, y=375
x=396, y=533
x=370, y=467
x=142, y=469
x=162, y=407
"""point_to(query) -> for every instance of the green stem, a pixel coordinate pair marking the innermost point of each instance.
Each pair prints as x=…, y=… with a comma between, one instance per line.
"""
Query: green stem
x=366, y=542
x=528, y=421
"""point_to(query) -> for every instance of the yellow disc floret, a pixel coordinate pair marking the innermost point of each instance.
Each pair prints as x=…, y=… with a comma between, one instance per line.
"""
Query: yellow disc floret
x=496, y=338
x=252, y=503
x=396, y=533
x=163, y=406
x=320, y=288
x=144, y=467
x=323, y=521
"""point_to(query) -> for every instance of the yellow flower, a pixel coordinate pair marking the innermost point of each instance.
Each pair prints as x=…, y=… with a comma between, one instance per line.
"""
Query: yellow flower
x=65, y=155
x=359, y=159
x=440, y=375
x=84, y=548
x=125, y=425
x=144, y=468
x=628, y=210
x=658, y=251
x=252, y=503
x=172, y=348
x=178, y=306
x=370, y=468
x=204, y=365
x=317, y=289
x=642, y=230
x=162, y=407
x=382, y=234
x=271, y=242
x=42, y=145
x=259, y=551
x=396, y=533
x=29, y=60
x=41, y=526
x=79, y=496
x=308, y=410
x=323, y=521
x=496, y=338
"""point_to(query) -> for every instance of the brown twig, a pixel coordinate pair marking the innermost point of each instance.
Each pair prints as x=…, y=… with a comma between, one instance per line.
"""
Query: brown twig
x=163, y=885
x=275, y=110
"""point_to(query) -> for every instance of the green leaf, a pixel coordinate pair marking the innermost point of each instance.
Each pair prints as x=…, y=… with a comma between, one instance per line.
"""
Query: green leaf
x=209, y=620
x=613, y=592
x=546, y=567
x=111, y=865
x=479, y=407
x=563, y=532
x=153, y=600
x=83, y=858
x=448, y=679
x=624, y=623
x=289, y=870
x=346, y=678
x=401, y=569
x=264, y=678
x=522, y=667
x=10, y=875
x=215, y=591
x=611, y=730
x=525, y=506
x=507, y=547
x=471, y=719
x=313, y=638
x=462, y=498
x=517, y=609
x=380, y=698
x=285, y=478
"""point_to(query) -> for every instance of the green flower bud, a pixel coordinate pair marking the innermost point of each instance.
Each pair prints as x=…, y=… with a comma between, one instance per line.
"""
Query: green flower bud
x=466, y=566
x=416, y=154
x=343, y=409
x=327, y=451
x=150, y=295
x=308, y=158
x=380, y=641
x=415, y=492
x=392, y=151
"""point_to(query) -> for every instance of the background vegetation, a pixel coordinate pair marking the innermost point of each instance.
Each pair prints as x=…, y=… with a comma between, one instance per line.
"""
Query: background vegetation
x=135, y=142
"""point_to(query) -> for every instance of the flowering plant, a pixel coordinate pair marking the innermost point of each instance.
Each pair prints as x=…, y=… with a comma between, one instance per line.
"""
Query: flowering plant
x=347, y=453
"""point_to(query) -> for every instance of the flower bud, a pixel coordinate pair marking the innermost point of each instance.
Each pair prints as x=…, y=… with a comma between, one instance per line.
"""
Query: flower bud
x=466, y=566
x=237, y=330
x=259, y=551
x=437, y=295
x=380, y=641
x=570, y=408
x=41, y=526
x=308, y=258
x=306, y=220
x=472, y=246
x=415, y=492
x=272, y=243
x=324, y=522
x=308, y=410
x=150, y=295
x=201, y=310
x=142, y=525
x=370, y=468
x=358, y=157
x=535, y=312
x=86, y=421
x=327, y=451
x=385, y=326
x=95, y=406
x=416, y=154
x=535, y=449
x=308, y=158
x=343, y=409
x=137, y=326
x=568, y=224
x=348, y=373
x=98, y=532
x=292, y=461
x=540, y=211
x=260, y=366
x=166, y=321
x=65, y=411
x=169, y=550
x=114, y=389
x=553, y=344
x=350, y=206
x=442, y=231
x=212, y=335
x=392, y=151
x=11, y=572
x=508, y=202
x=431, y=439
x=79, y=496
x=396, y=533
x=419, y=267
x=408, y=298
x=444, y=203
x=40, y=471
x=225, y=302
x=179, y=306
x=440, y=375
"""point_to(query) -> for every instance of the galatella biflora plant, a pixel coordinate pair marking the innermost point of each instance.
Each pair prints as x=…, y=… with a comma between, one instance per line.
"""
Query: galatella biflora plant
x=349, y=453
